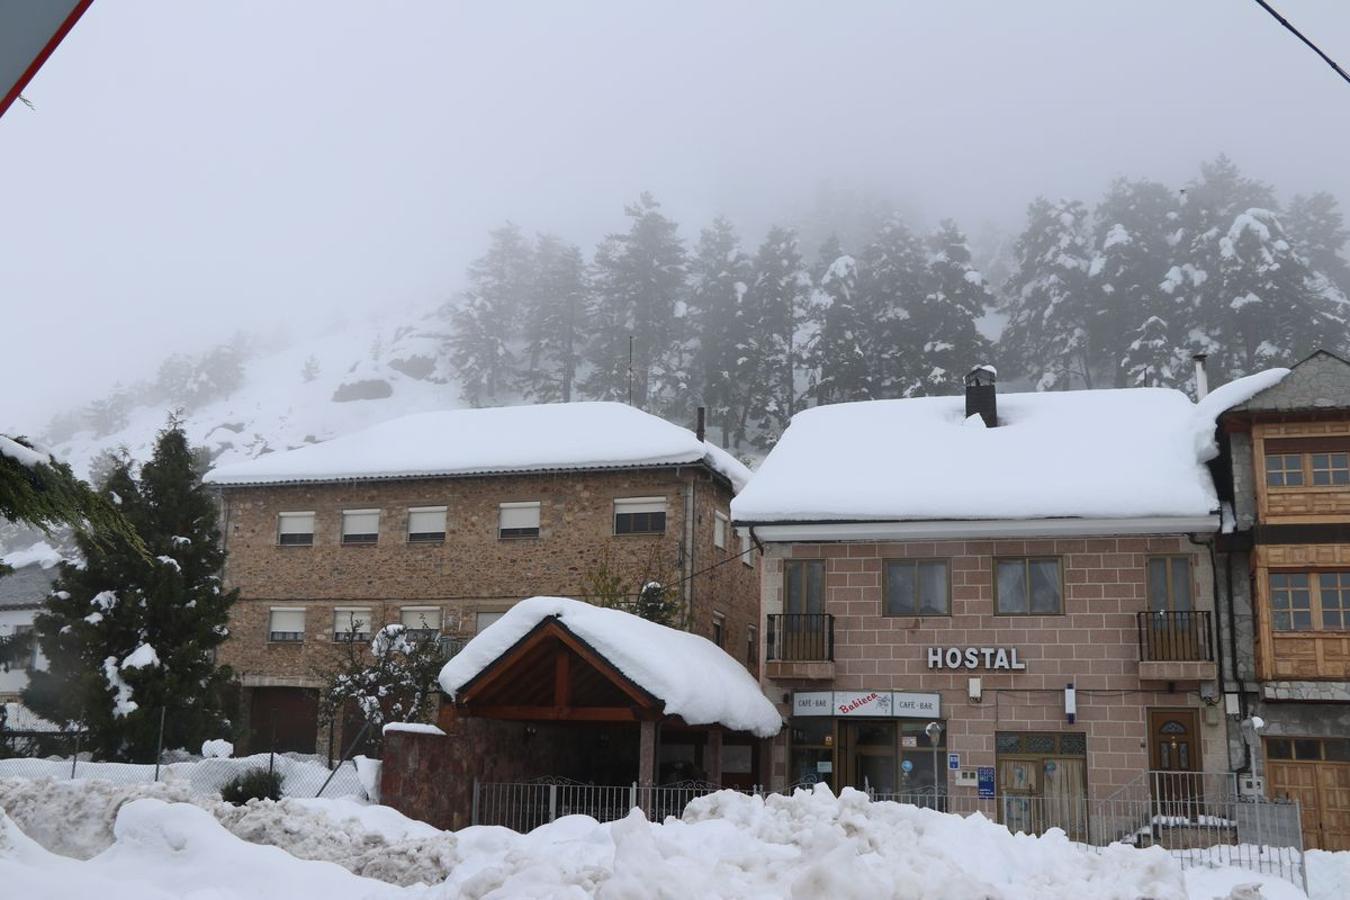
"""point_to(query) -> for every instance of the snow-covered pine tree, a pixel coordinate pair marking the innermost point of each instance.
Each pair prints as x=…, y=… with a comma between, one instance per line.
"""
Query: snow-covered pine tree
x=892, y=278
x=1267, y=309
x=555, y=321
x=486, y=324
x=720, y=275
x=1048, y=301
x=775, y=310
x=944, y=317
x=638, y=281
x=1131, y=258
x=838, y=359
x=1316, y=228
x=1150, y=359
x=128, y=634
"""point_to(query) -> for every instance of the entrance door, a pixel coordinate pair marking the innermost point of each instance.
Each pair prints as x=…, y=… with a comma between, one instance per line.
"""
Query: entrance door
x=1174, y=757
x=869, y=756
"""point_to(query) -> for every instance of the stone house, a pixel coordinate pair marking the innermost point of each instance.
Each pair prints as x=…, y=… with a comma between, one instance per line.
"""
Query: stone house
x=22, y=593
x=442, y=521
x=1284, y=563
x=1006, y=595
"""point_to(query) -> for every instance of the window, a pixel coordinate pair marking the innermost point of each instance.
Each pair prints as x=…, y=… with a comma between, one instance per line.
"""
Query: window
x=1330, y=468
x=720, y=524
x=360, y=526
x=747, y=549
x=1169, y=584
x=295, y=529
x=518, y=520
x=752, y=647
x=719, y=635
x=420, y=621
x=1310, y=601
x=426, y=524
x=1284, y=470
x=804, y=586
x=640, y=515
x=916, y=588
x=1028, y=587
x=1309, y=749
x=484, y=619
x=286, y=625
x=351, y=624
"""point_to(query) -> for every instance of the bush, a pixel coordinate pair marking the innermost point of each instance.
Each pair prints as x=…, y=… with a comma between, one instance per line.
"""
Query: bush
x=258, y=784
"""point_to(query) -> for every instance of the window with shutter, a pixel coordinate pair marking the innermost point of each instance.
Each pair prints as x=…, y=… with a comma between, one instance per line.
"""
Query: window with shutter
x=360, y=526
x=351, y=624
x=421, y=622
x=640, y=515
x=295, y=529
x=519, y=520
x=426, y=524
x=286, y=625
x=720, y=523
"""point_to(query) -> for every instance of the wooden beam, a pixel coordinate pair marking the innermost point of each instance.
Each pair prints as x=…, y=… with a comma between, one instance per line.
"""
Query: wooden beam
x=555, y=713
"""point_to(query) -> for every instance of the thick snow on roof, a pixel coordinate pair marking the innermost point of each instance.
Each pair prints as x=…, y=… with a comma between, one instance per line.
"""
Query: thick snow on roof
x=694, y=677
x=544, y=437
x=1072, y=454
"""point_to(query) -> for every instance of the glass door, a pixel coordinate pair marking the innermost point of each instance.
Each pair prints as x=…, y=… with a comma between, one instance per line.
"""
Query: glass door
x=869, y=754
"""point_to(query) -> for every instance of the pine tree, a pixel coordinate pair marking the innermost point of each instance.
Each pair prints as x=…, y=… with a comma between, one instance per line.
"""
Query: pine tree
x=310, y=371
x=486, y=324
x=129, y=634
x=1316, y=228
x=720, y=275
x=839, y=363
x=893, y=278
x=555, y=321
x=638, y=284
x=944, y=317
x=775, y=312
x=1150, y=358
x=1048, y=299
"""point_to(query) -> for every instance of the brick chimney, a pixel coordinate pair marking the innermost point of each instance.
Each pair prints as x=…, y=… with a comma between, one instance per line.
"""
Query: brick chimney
x=981, y=394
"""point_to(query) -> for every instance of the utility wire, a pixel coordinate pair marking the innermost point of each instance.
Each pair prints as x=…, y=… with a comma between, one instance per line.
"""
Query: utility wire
x=1298, y=34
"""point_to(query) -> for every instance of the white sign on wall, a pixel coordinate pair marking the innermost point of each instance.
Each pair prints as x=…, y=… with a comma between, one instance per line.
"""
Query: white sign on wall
x=991, y=658
x=875, y=704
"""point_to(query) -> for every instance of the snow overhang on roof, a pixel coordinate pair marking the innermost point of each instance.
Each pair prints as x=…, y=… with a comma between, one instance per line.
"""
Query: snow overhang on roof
x=503, y=440
x=1070, y=462
x=693, y=677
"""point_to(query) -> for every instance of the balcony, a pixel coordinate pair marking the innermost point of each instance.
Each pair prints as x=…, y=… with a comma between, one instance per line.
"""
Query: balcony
x=801, y=647
x=1176, y=646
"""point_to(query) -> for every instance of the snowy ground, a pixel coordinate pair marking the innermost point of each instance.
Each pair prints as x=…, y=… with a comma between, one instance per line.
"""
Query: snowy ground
x=728, y=845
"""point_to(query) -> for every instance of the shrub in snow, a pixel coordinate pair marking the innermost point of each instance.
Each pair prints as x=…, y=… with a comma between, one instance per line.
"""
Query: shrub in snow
x=259, y=784
x=392, y=679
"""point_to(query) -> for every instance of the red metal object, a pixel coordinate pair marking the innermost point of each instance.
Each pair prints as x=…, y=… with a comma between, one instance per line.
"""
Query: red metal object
x=14, y=90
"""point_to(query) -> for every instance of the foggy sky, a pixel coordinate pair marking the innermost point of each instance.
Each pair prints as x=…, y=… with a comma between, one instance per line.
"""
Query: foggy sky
x=193, y=168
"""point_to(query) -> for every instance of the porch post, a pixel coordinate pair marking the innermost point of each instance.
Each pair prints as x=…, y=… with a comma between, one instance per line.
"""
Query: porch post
x=646, y=762
x=712, y=755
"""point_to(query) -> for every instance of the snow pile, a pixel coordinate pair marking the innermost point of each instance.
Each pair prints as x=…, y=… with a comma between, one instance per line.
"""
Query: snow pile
x=1328, y=874
x=42, y=554
x=694, y=677
x=24, y=456
x=217, y=749
x=75, y=818
x=544, y=437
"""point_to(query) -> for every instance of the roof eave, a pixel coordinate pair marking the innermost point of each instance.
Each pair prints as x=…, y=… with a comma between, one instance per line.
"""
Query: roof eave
x=789, y=531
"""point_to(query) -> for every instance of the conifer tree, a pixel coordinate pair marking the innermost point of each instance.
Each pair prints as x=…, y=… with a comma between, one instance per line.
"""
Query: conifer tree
x=944, y=317
x=1048, y=299
x=638, y=284
x=486, y=324
x=775, y=312
x=720, y=275
x=840, y=367
x=1316, y=228
x=1150, y=359
x=130, y=634
x=555, y=321
x=892, y=279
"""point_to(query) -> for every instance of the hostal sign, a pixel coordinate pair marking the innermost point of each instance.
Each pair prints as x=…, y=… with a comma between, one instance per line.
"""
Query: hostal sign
x=991, y=658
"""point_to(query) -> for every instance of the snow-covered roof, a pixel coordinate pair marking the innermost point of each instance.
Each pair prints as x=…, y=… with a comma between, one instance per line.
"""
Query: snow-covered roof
x=695, y=679
x=539, y=438
x=1135, y=453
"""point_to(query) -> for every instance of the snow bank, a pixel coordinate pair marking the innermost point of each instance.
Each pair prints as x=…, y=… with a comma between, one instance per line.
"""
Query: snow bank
x=217, y=749
x=1224, y=398
x=543, y=437
x=694, y=677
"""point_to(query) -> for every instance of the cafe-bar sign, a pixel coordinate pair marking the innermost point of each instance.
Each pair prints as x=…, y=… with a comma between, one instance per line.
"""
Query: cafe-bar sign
x=876, y=704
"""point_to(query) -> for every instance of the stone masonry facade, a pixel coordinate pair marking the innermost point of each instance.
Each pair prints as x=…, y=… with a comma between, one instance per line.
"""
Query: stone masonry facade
x=472, y=571
x=1094, y=645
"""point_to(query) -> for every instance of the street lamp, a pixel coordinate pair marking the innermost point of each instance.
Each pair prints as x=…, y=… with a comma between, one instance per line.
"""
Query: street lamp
x=934, y=732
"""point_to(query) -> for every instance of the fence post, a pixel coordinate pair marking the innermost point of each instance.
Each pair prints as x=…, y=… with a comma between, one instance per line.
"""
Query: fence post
x=159, y=744
x=473, y=808
x=632, y=796
x=75, y=756
x=552, y=802
x=350, y=749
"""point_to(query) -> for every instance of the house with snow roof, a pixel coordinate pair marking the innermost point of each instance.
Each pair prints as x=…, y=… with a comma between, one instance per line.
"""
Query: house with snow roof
x=443, y=521
x=1006, y=594
x=22, y=593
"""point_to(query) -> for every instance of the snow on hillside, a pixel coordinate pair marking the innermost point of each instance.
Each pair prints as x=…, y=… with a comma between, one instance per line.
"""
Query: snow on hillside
x=311, y=391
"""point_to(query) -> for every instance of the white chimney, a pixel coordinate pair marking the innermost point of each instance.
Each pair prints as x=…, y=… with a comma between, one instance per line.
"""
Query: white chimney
x=1201, y=378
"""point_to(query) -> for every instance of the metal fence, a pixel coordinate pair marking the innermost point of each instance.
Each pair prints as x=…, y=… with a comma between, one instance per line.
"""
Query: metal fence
x=1200, y=823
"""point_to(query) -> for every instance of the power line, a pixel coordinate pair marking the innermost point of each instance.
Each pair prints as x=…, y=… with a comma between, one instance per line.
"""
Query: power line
x=1298, y=34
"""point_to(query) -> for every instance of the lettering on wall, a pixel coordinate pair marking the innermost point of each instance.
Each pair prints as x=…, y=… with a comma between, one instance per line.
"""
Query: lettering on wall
x=989, y=658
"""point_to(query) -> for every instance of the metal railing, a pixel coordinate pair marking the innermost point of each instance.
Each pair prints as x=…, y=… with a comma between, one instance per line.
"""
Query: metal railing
x=1175, y=637
x=1213, y=827
x=801, y=637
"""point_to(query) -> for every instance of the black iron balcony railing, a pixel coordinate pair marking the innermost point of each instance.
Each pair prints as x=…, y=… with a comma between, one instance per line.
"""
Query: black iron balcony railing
x=1175, y=637
x=801, y=637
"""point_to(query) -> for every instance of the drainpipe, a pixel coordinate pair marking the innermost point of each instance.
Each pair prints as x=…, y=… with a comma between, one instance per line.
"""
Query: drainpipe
x=688, y=574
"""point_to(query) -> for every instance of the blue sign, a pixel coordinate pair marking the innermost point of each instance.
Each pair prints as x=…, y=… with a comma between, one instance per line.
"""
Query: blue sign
x=907, y=767
x=986, y=775
x=953, y=761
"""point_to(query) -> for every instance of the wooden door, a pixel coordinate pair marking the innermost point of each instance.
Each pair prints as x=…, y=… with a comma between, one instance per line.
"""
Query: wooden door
x=1174, y=756
x=1333, y=789
x=1322, y=790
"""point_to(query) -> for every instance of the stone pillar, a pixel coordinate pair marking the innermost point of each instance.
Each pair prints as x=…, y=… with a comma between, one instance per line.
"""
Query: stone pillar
x=712, y=755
